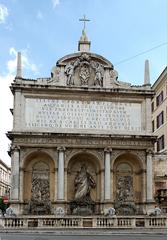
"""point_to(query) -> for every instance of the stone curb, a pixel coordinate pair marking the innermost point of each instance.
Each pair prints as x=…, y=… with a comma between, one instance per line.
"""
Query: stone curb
x=88, y=232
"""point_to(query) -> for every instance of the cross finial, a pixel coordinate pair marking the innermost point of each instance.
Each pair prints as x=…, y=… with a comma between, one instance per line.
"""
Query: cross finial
x=84, y=20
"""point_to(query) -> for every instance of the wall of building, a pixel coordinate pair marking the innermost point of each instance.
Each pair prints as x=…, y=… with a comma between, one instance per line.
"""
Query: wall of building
x=69, y=123
x=5, y=179
x=160, y=87
x=159, y=128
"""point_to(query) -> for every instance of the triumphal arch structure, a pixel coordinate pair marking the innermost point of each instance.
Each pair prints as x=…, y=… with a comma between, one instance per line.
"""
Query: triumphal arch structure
x=81, y=139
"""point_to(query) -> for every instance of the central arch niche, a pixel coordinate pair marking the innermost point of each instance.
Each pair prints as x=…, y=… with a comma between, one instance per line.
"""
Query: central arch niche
x=89, y=163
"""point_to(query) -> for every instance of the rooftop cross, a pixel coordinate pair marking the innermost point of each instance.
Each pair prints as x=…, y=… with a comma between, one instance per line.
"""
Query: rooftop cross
x=84, y=20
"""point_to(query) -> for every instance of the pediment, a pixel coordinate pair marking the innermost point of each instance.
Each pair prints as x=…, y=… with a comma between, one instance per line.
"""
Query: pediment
x=85, y=69
x=89, y=56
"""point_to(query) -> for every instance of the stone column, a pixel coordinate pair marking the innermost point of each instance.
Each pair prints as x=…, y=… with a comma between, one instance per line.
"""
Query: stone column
x=107, y=174
x=60, y=174
x=15, y=173
x=149, y=177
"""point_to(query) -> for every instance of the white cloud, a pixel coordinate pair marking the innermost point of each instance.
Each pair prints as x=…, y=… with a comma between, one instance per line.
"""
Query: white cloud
x=39, y=15
x=6, y=98
x=3, y=13
x=55, y=3
x=6, y=102
x=27, y=64
x=11, y=64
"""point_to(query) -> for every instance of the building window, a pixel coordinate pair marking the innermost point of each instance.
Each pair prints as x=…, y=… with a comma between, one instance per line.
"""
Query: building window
x=160, y=119
x=153, y=128
x=159, y=98
x=160, y=143
x=152, y=106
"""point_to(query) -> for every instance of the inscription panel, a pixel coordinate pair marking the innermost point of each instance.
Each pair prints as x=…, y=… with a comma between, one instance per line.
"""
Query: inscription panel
x=52, y=114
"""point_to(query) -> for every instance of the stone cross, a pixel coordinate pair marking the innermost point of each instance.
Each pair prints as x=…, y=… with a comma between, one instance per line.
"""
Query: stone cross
x=84, y=20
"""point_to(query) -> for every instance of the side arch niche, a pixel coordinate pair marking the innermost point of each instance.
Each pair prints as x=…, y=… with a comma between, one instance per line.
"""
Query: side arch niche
x=128, y=184
x=39, y=179
x=83, y=184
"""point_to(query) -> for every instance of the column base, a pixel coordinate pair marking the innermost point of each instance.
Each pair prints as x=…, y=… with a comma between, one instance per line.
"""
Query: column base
x=14, y=201
x=60, y=201
x=150, y=204
x=15, y=205
x=106, y=204
x=149, y=201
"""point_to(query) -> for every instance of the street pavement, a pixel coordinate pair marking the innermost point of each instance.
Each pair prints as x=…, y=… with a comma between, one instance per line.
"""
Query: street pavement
x=53, y=236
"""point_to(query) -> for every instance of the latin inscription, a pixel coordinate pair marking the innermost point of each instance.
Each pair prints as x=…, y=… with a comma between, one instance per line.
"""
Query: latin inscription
x=71, y=114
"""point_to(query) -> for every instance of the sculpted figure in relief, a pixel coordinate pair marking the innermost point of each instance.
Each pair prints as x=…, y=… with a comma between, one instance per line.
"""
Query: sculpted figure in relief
x=69, y=71
x=114, y=77
x=55, y=74
x=125, y=188
x=83, y=184
x=99, y=73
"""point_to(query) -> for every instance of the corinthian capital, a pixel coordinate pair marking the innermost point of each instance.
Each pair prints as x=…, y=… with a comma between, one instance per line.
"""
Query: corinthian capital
x=62, y=148
x=108, y=149
x=14, y=148
x=149, y=151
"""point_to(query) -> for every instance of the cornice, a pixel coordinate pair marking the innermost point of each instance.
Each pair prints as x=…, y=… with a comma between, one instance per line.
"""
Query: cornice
x=40, y=88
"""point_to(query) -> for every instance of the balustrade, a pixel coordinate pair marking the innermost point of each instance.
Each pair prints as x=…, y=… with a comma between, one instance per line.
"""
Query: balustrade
x=79, y=222
x=156, y=222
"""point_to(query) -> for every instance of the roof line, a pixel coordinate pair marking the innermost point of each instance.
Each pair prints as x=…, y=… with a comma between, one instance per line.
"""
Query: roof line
x=159, y=78
x=5, y=165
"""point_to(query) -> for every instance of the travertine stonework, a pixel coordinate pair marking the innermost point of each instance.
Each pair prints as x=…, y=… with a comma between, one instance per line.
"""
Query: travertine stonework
x=80, y=116
x=56, y=115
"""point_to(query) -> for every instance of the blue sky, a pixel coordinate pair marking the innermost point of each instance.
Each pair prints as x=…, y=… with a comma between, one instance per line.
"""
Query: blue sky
x=46, y=30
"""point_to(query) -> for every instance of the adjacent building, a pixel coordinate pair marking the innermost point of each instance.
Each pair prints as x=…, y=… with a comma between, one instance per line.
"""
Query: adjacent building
x=159, y=112
x=159, y=129
x=5, y=180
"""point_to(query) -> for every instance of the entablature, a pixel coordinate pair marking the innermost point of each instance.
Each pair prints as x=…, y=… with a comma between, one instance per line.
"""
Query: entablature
x=81, y=140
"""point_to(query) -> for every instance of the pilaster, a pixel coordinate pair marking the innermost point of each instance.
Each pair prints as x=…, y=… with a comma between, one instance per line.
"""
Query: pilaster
x=15, y=172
